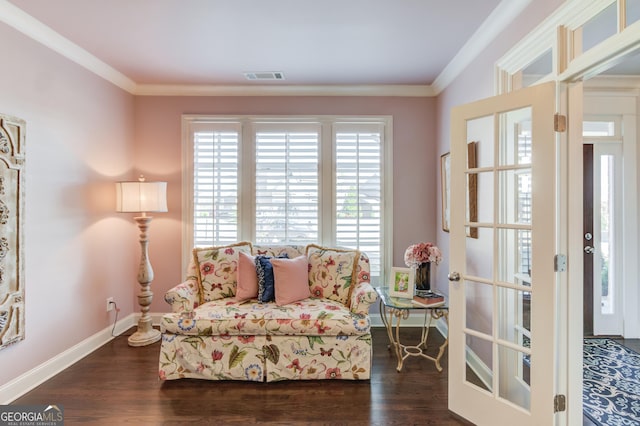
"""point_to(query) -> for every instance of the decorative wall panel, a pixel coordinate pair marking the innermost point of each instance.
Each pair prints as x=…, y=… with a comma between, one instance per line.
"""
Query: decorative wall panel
x=12, y=159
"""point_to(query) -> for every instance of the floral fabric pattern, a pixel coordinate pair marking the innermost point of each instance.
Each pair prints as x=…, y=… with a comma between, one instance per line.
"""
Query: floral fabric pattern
x=321, y=357
x=362, y=298
x=332, y=272
x=212, y=357
x=210, y=336
x=292, y=251
x=270, y=358
x=216, y=269
x=321, y=317
x=184, y=296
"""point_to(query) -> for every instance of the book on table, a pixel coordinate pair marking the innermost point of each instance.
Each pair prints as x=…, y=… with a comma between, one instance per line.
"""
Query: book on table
x=428, y=299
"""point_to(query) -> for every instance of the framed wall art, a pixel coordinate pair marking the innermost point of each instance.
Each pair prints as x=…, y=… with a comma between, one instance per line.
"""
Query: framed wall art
x=445, y=183
x=12, y=193
x=472, y=189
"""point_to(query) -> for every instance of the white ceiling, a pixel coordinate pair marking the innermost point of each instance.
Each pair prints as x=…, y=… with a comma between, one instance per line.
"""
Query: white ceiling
x=141, y=44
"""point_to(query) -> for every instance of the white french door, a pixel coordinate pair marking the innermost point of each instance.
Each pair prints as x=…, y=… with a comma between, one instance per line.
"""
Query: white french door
x=502, y=290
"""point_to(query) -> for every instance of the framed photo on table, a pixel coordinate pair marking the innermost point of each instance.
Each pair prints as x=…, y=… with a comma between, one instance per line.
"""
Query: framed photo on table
x=402, y=282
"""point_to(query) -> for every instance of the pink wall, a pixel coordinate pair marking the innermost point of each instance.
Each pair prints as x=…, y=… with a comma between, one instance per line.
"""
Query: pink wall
x=158, y=149
x=83, y=134
x=477, y=82
x=77, y=250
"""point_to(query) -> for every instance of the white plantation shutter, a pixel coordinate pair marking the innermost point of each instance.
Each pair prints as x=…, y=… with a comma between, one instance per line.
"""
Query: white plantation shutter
x=287, y=183
x=215, y=186
x=287, y=180
x=358, y=192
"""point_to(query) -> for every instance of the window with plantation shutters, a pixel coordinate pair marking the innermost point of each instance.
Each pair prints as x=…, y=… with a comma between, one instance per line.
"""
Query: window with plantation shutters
x=287, y=184
x=215, y=186
x=288, y=180
x=358, y=190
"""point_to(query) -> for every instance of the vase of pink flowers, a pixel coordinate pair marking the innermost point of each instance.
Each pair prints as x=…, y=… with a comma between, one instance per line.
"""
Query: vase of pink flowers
x=420, y=257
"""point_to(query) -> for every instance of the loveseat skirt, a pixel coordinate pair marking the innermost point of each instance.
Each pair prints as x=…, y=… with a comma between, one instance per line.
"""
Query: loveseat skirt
x=265, y=358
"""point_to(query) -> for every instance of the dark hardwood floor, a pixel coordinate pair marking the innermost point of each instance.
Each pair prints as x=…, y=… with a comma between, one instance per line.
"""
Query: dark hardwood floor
x=119, y=384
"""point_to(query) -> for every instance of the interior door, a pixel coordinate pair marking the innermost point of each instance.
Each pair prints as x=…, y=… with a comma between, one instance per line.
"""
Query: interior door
x=502, y=289
x=587, y=167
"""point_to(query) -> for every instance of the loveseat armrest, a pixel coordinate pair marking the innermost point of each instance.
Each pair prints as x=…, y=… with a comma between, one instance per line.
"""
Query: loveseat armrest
x=362, y=298
x=183, y=297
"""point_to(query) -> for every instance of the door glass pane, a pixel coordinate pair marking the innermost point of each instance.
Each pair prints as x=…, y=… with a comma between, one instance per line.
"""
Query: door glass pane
x=479, y=261
x=607, y=191
x=514, y=316
x=598, y=128
x=600, y=27
x=515, y=137
x=479, y=307
x=479, y=372
x=537, y=69
x=484, y=196
x=515, y=196
x=481, y=130
x=633, y=11
x=514, y=254
x=512, y=385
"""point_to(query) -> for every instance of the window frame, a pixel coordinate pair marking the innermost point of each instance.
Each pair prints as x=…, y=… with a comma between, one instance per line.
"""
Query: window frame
x=246, y=175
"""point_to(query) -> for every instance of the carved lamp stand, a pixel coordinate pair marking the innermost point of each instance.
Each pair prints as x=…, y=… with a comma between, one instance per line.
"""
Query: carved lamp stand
x=143, y=197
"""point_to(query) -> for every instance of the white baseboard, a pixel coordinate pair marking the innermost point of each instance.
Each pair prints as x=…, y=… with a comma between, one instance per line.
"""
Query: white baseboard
x=43, y=372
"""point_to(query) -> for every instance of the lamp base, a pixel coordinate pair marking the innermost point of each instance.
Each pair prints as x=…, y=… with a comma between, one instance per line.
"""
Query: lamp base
x=144, y=338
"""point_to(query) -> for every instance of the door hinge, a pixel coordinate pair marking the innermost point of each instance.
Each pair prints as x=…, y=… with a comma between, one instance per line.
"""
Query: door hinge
x=559, y=403
x=559, y=123
x=559, y=263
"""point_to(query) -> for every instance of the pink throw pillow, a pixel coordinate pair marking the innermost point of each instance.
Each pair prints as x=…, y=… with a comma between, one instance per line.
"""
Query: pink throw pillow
x=291, y=279
x=247, y=287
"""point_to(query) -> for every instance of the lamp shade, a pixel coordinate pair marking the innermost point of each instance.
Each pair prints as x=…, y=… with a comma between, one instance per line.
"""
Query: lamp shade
x=141, y=196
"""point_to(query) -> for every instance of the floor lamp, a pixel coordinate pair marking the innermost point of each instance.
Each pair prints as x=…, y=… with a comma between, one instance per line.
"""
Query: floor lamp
x=142, y=197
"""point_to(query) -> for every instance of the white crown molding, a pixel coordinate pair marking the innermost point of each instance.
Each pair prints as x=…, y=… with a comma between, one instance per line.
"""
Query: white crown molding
x=31, y=27
x=506, y=11
x=284, y=90
x=500, y=18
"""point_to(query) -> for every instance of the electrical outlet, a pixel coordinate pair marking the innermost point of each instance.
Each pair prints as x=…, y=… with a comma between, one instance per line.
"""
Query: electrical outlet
x=110, y=304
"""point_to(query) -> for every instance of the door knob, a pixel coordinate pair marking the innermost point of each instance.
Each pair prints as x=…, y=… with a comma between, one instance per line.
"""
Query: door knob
x=589, y=250
x=454, y=276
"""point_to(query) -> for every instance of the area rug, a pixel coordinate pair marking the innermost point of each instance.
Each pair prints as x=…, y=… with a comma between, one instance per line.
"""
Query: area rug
x=611, y=383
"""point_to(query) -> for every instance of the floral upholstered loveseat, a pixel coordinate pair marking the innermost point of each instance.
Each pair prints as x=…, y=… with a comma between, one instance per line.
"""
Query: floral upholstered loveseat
x=316, y=328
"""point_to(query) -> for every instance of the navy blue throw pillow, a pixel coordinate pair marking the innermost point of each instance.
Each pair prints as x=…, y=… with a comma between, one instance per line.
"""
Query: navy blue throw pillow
x=264, y=269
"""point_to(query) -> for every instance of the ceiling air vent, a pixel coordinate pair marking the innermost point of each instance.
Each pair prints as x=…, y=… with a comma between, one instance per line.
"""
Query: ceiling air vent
x=263, y=76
